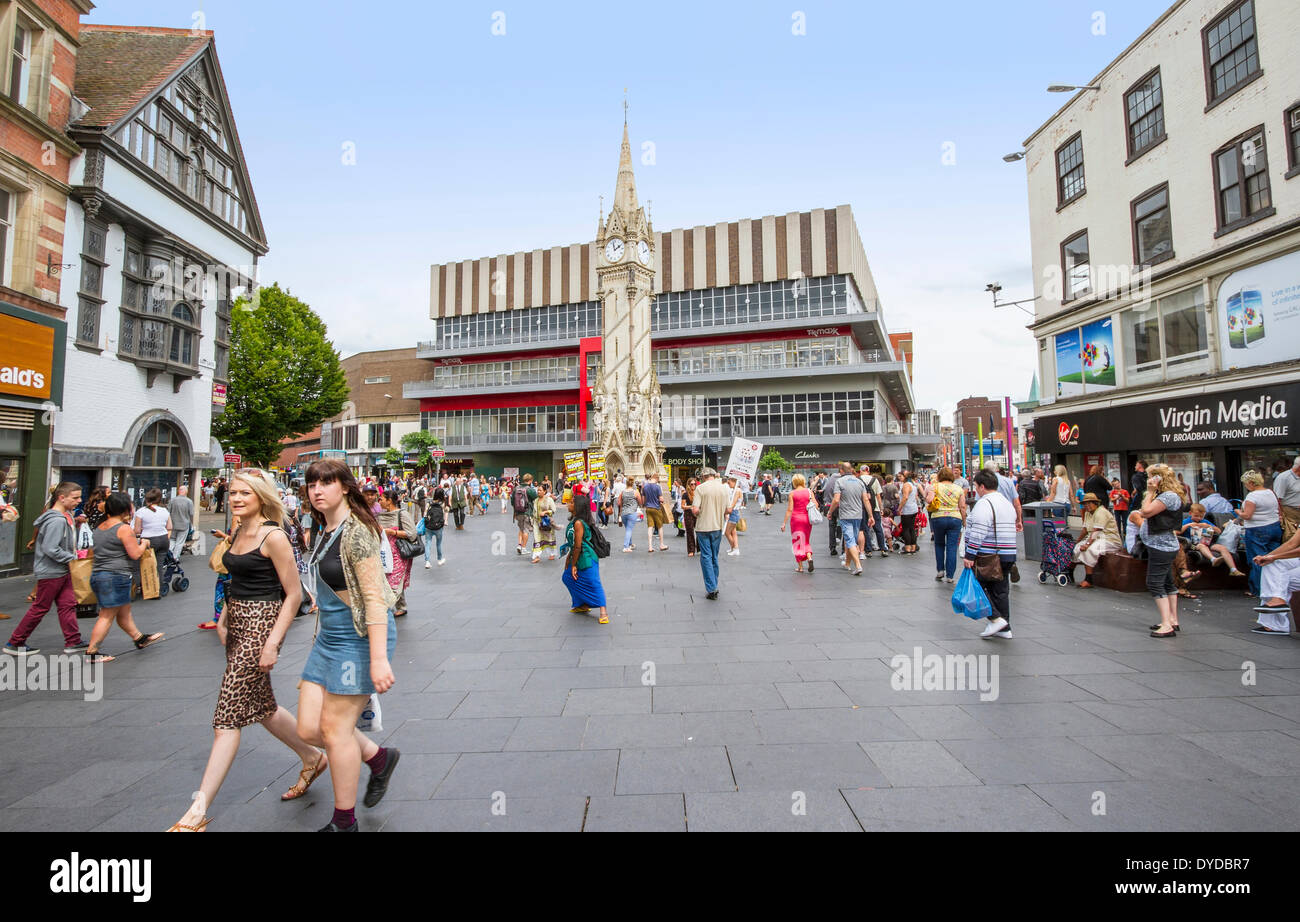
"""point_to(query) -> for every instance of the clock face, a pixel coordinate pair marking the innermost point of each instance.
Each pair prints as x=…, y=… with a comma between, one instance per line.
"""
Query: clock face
x=614, y=250
x=643, y=252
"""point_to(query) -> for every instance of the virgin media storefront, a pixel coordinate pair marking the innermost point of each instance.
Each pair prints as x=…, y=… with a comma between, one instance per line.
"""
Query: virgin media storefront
x=1213, y=436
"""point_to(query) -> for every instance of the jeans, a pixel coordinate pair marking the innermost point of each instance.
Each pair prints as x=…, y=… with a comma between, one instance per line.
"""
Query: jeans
x=1160, y=573
x=55, y=592
x=432, y=536
x=947, y=534
x=835, y=535
x=879, y=531
x=629, y=523
x=1121, y=521
x=1260, y=541
x=709, y=542
x=999, y=592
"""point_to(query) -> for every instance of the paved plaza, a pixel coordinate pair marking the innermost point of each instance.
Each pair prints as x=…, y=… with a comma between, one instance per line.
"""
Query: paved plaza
x=773, y=708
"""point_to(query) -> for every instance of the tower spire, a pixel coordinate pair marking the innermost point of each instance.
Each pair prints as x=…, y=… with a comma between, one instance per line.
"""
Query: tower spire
x=625, y=186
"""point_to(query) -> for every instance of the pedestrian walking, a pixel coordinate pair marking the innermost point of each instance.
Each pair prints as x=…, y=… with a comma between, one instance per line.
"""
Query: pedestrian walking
x=991, y=550
x=796, y=519
x=847, y=505
x=581, y=565
x=909, y=504
x=55, y=550
x=180, y=509
x=473, y=489
x=459, y=502
x=544, y=524
x=116, y=568
x=435, y=520
x=1286, y=486
x=1261, y=514
x=875, y=492
x=947, y=519
x=522, y=499
x=356, y=626
x=219, y=495
x=153, y=522
x=688, y=516
x=736, y=503
x=710, y=509
x=264, y=596
x=626, y=497
x=767, y=492
x=827, y=496
x=655, y=517
x=397, y=526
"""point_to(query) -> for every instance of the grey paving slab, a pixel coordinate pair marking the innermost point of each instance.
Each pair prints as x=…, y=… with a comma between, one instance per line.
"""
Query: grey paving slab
x=89, y=785
x=803, y=767
x=669, y=698
x=1026, y=761
x=718, y=728
x=770, y=811
x=674, y=771
x=1152, y=756
x=1227, y=713
x=1263, y=752
x=830, y=725
x=633, y=731
x=1028, y=719
x=967, y=808
x=1137, y=716
x=541, y=734
x=447, y=735
x=530, y=774
x=1158, y=806
x=636, y=813
x=917, y=763
x=813, y=695
x=560, y=813
x=548, y=703
x=543, y=680
x=942, y=722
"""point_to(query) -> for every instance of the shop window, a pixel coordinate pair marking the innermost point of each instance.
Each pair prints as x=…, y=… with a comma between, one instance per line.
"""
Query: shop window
x=160, y=446
x=1167, y=339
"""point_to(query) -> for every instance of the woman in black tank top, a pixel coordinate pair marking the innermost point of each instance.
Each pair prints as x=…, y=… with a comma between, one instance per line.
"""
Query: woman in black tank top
x=262, y=599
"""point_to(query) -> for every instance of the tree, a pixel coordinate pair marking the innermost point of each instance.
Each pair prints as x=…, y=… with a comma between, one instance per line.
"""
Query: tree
x=420, y=442
x=772, y=460
x=285, y=375
x=393, y=458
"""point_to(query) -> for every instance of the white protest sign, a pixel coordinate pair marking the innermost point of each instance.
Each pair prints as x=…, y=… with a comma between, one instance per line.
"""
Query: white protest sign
x=743, y=461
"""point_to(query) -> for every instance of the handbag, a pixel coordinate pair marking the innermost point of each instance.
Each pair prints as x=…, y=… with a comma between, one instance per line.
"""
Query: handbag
x=988, y=567
x=408, y=548
x=741, y=525
x=815, y=516
x=215, y=562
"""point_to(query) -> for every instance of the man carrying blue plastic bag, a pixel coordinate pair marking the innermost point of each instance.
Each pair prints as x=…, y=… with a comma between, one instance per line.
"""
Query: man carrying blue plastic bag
x=969, y=598
x=991, y=552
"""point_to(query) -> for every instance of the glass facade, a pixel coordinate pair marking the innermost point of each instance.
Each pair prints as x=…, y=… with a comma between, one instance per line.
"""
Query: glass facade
x=725, y=358
x=502, y=328
x=741, y=305
x=562, y=369
x=504, y=425
x=1166, y=339
x=820, y=414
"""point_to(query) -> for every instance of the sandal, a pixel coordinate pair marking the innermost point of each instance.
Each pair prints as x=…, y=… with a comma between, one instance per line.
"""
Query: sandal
x=94, y=656
x=305, y=779
x=580, y=610
x=604, y=619
x=1184, y=594
x=146, y=640
x=184, y=827
x=1156, y=627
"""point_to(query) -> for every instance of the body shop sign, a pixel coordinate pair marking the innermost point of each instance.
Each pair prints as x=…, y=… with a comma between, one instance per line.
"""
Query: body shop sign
x=1259, y=416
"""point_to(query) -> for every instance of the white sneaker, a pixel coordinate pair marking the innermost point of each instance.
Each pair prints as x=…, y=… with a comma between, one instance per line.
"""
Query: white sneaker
x=997, y=625
x=441, y=561
x=427, y=565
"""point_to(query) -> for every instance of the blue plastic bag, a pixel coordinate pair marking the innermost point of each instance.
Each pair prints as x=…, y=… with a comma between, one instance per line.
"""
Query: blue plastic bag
x=969, y=598
x=419, y=528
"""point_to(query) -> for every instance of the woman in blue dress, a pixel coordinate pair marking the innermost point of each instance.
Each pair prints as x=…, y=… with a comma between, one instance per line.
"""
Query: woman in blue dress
x=582, y=566
x=356, y=635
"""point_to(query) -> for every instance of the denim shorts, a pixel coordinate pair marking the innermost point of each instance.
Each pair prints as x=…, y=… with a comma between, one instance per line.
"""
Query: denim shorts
x=111, y=588
x=849, y=528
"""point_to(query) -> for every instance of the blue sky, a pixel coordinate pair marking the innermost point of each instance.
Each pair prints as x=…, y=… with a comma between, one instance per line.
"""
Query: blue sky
x=472, y=144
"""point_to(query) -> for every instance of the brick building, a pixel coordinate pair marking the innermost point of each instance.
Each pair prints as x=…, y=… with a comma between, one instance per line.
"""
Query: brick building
x=377, y=415
x=40, y=40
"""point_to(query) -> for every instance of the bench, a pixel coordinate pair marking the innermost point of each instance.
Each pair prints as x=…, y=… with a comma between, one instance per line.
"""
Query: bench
x=1125, y=573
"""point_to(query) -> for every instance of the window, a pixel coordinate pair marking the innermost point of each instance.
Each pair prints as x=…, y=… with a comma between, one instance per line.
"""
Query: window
x=1166, y=338
x=20, y=63
x=160, y=446
x=222, y=340
x=1241, y=177
x=182, y=350
x=383, y=379
x=90, y=294
x=1153, y=236
x=1069, y=171
x=1144, y=104
x=6, y=232
x=380, y=435
x=1231, y=51
x=1292, y=135
x=1074, y=266
x=350, y=438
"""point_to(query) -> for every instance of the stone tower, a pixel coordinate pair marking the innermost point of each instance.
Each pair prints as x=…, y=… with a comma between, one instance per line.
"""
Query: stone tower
x=627, y=397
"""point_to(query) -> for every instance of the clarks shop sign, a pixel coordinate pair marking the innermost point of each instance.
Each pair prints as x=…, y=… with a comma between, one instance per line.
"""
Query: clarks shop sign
x=1248, y=416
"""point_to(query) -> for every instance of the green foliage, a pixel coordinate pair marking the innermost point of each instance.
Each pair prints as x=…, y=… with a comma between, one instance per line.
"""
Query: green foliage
x=420, y=441
x=285, y=376
x=393, y=458
x=773, y=460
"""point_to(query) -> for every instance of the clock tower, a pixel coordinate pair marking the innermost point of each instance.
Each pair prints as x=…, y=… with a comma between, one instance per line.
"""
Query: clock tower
x=627, y=396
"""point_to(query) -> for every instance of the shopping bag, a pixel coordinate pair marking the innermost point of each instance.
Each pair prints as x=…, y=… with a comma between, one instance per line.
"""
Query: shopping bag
x=386, y=554
x=149, y=573
x=215, y=562
x=372, y=716
x=85, y=541
x=741, y=525
x=419, y=528
x=969, y=598
x=80, y=570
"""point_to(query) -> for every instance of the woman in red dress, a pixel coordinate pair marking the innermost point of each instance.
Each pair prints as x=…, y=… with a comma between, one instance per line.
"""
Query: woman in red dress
x=796, y=517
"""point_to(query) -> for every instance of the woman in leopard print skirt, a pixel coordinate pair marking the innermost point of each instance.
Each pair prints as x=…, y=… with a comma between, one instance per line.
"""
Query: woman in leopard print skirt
x=263, y=596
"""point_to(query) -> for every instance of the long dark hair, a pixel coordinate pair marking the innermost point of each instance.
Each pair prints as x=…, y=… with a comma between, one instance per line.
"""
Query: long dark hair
x=329, y=470
x=582, y=509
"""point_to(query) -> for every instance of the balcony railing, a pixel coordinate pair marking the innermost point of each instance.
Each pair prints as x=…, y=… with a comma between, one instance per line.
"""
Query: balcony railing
x=563, y=436
x=762, y=364
x=492, y=381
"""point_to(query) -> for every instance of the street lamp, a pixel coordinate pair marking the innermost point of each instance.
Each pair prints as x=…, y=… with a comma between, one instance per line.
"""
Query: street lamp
x=1059, y=88
x=1012, y=158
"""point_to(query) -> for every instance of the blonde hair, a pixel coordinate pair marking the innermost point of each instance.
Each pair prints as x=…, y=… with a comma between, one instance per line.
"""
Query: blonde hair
x=1060, y=471
x=263, y=488
x=1169, y=482
x=1253, y=479
x=1197, y=509
x=797, y=481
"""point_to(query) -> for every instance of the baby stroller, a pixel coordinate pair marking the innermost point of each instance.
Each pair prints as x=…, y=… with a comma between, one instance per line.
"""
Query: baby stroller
x=1058, y=555
x=171, y=575
x=894, y=529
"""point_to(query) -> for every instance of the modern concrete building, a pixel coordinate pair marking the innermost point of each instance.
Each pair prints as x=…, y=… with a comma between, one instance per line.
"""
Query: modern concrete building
x=376, y=415
x=1164, y=203
x=768, y=328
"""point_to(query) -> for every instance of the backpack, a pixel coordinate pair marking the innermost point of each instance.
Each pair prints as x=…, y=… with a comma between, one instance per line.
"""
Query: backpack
x=435, y=518
x=520, y=499
x=598, y=542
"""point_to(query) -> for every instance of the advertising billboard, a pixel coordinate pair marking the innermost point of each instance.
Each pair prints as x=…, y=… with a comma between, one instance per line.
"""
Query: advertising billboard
x=1259, y=313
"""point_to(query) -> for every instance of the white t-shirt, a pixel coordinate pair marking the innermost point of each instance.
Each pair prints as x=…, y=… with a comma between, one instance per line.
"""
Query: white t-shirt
x=153, y=521
x=291, y=502
x=1266, y=511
